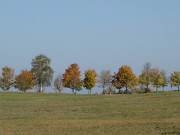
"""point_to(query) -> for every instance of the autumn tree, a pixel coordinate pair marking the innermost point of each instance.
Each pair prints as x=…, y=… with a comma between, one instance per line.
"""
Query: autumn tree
x=126, y=78
x=116, y=81
x=71, y=78
x=24, y=81
x=104, y=79
x=165, y=79
x=144, y=78
x=42, y=71
x=58, y=86
x=175, y=79
x=156, y=78
x=90, y=79
x=7, y=79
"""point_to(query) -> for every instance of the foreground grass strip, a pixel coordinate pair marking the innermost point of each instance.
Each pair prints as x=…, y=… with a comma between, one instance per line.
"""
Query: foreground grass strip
x=44, y=114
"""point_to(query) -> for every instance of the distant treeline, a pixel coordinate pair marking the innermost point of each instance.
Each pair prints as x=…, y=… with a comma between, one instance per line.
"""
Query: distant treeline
x=41, y=76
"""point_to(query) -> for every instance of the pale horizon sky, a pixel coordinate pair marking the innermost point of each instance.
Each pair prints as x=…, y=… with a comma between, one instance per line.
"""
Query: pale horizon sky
x=99, y=34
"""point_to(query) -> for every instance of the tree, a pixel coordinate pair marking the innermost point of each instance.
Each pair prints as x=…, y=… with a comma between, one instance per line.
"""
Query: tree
x=105, y=78
x=165, y=79
x=42, y=71
x=24, y=81
x=156, y=78
x=90, y=79
x=58, y=83
x=116, y=81
x=144, y=78
x=175, y=79
x=126, y=78
x=71, y=78
x=7, y=79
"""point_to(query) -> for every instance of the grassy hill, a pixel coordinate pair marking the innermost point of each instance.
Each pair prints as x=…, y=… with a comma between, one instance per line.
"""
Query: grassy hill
x=54, y=114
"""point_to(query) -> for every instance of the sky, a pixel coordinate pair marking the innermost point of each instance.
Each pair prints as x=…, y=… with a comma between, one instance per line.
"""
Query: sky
x=97, y=34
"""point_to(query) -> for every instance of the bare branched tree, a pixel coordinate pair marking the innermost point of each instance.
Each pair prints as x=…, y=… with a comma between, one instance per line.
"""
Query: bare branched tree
x=58, y=83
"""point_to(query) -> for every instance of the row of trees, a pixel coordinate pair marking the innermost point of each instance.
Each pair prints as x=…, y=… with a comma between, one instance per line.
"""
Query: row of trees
x=41, y=76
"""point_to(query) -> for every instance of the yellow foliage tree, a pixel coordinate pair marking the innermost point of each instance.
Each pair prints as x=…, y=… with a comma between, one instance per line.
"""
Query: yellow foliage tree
x=7, y=79
x=156, y=78
x=90, y=79
x=126, y=78
x=24, y=81
x=175, y=79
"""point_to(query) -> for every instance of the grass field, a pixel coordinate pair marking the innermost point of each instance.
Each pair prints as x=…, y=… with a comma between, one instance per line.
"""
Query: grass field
x=54, y=114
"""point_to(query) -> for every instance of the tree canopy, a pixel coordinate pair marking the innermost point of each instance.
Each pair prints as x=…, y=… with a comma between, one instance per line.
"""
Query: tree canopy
x=90, y=79
x=7, y=79
x=156, y=78
x=126, y=78
x=42, y=71
x=71, y=78
x=58, y=83
x=104, y=79
x=24, y=81
x=175, y=79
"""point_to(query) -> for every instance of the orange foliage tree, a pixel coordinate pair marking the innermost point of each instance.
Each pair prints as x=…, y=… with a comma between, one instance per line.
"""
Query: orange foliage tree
x=24, y=81
x=125, y=78
x=71, y=78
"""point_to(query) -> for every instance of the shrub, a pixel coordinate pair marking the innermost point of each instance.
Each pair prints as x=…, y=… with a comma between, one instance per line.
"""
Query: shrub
x=109, y=91
x=142, y=90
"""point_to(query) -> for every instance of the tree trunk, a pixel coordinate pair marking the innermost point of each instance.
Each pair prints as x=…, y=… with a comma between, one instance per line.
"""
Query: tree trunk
x=90, y=91
x=73, y=91
x=41, y=89
x=178, y=87
x=156, y=89
x=163, y=88
x=103, y=89
x=126, y=90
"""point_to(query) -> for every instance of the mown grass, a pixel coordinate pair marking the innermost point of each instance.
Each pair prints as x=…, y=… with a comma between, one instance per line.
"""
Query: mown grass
x=54, y=114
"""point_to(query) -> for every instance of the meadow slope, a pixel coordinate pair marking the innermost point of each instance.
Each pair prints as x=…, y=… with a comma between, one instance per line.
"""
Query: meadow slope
x=54, y=114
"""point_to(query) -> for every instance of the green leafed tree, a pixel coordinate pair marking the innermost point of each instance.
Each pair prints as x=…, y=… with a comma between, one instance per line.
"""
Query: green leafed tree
x=90, y=79
x=24, y=81
x=156, y=78
x=7, y=79
x=144, y=78
x=42, y=71
x=165, y=79
x=175, y=79
x=58, y=86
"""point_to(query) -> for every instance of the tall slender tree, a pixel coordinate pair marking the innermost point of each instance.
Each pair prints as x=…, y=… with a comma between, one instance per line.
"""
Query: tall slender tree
x=104, y=79
x=90, y=79
x=165, y=79
x=144, y=78
x=42, y=71
x=58, y=86
x=71, y=78
x=7, y=79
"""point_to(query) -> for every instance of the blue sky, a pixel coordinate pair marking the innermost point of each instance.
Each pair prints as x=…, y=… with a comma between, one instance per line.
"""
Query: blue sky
x=99, y=34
